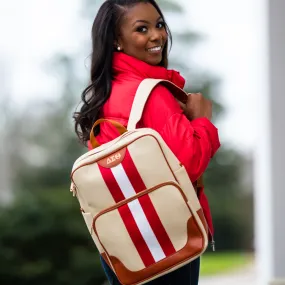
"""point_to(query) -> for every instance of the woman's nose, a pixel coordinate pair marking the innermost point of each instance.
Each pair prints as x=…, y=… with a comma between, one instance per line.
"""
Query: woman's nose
x=156, y=35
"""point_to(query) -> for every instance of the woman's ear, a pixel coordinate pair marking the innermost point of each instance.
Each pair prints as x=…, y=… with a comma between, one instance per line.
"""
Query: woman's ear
x=118, y=45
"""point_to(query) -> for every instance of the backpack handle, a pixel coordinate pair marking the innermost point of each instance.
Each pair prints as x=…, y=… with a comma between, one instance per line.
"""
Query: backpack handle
x=121, y=129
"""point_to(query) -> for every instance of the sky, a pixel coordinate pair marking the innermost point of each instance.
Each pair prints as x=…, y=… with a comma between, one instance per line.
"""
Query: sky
x=32, y=31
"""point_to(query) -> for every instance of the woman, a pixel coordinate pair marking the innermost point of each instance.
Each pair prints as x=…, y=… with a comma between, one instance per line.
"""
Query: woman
x=130, y=41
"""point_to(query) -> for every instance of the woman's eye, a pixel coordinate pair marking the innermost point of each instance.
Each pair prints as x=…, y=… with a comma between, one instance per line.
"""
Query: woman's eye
x=160, y=25
x=142, y=29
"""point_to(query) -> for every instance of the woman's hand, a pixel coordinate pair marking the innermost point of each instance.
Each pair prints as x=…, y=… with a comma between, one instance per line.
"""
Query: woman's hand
x=197, y=106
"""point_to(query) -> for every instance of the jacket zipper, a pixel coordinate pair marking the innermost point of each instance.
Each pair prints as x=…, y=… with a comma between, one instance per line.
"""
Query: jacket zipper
x=212, y=242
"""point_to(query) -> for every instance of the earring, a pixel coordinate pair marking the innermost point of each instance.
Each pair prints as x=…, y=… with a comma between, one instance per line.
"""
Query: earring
x=118, y=48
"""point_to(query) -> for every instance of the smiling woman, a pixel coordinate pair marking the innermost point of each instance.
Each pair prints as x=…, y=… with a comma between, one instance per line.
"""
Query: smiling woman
x=132, y=27
x=130, y=43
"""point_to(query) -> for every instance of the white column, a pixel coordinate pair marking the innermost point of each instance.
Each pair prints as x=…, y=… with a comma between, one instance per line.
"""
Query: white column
x=270, y=153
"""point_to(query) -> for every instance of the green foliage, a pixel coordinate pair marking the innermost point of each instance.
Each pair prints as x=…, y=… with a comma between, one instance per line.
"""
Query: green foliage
x=219, y=263
x=231, y=205
x=44, y=241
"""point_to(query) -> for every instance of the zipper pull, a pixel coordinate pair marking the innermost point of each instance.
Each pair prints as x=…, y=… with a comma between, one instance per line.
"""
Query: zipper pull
x=213, y=245
x=212, y=242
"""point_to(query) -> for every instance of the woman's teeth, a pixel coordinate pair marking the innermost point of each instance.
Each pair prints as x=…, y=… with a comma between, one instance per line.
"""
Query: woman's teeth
x=155, y=49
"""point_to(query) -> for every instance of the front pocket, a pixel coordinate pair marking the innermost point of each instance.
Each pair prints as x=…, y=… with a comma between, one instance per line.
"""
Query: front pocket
x=147, y=228
x=183, y=179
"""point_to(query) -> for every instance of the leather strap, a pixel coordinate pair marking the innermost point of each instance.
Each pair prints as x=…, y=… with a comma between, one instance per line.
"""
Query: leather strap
x=142, y=94
x=121, y=129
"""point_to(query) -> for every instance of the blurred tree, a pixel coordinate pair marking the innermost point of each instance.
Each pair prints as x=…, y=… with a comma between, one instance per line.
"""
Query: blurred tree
x=45, y=241
x=43, y=238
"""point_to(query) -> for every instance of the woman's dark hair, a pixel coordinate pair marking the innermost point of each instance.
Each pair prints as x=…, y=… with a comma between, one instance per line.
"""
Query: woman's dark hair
x=104, y=34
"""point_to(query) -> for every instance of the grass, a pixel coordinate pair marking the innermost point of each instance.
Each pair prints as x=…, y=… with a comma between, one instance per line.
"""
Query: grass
x=223, y=262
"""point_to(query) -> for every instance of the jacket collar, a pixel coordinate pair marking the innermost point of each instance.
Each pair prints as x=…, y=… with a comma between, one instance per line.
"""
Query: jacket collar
x=124, y=64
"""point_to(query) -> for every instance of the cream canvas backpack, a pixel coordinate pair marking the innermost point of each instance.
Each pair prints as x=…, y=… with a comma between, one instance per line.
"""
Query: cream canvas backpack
x=137, y=200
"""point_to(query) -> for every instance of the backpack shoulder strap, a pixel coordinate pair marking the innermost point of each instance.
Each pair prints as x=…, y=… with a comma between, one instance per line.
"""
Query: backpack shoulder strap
x=144, y=90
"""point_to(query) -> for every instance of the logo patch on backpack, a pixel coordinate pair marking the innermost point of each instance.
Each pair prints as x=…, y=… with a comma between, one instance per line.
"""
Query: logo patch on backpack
x=114, y=159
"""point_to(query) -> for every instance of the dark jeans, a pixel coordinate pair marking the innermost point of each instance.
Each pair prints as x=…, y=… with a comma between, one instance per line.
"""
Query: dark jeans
x=186, y=275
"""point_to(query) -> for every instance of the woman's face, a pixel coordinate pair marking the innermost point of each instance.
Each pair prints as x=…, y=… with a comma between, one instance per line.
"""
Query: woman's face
x=143, y=34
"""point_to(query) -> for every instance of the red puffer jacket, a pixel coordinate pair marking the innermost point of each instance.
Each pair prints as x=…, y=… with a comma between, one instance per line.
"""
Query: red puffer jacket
x=194, y=143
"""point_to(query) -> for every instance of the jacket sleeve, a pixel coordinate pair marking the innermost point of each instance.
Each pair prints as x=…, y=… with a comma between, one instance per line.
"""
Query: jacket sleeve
x=194, y=143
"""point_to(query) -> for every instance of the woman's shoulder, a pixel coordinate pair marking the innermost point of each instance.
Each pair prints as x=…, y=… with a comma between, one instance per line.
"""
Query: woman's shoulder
x=162, y=93
x=161, y=99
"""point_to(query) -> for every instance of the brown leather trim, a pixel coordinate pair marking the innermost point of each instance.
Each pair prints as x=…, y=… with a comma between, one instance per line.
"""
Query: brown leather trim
x=113, y=159
x=203, y=220
x=193, y=247
x=121, y=129
x=179, y=93
x=105, y=257
x=200, y=182
x=195, y=186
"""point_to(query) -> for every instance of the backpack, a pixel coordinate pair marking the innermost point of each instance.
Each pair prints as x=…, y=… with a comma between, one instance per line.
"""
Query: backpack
x=137, y=200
